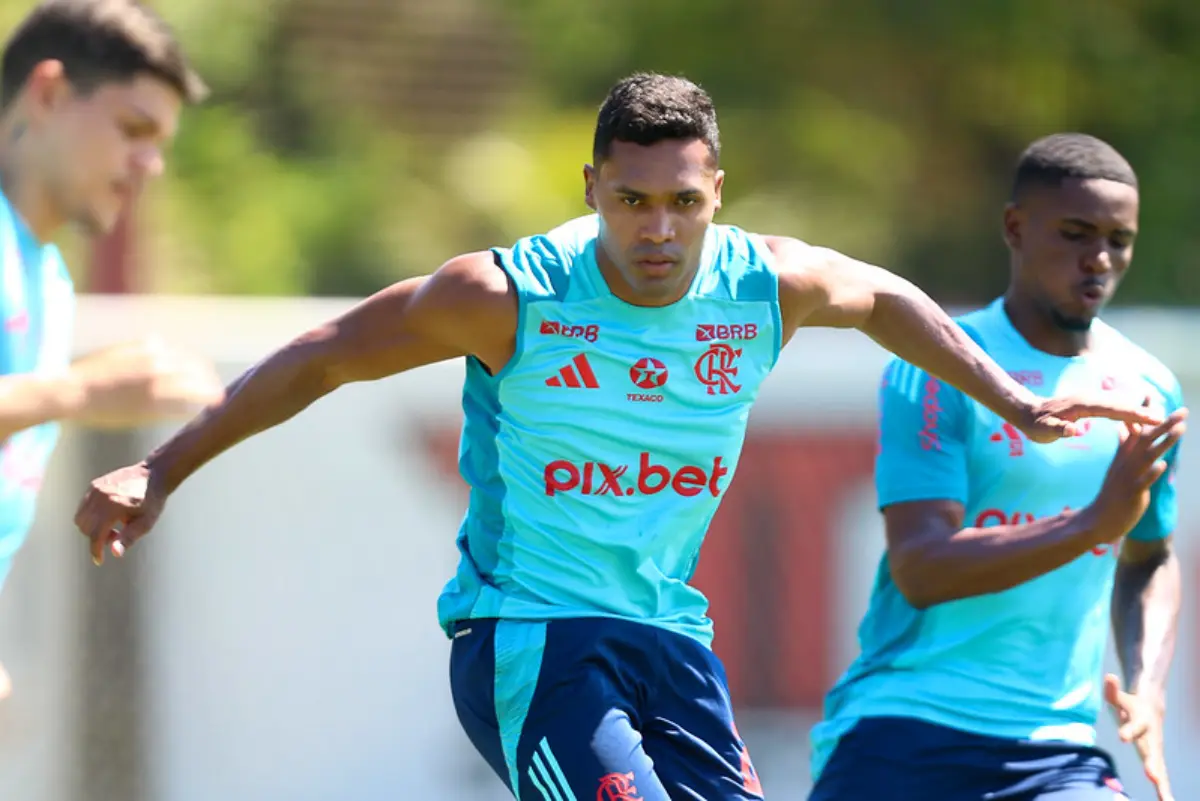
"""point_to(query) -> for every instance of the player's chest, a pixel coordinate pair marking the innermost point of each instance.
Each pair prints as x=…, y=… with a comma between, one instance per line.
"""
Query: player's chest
x=703, y=356
x=1000, y=451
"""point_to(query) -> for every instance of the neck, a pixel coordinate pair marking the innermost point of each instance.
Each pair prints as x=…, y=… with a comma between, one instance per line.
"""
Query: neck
x=21, y=185
x=1040, y=329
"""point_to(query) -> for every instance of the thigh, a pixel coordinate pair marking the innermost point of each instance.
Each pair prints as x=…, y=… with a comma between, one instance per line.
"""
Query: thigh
x=690, y=730
x=580, y=732
x=581, y=746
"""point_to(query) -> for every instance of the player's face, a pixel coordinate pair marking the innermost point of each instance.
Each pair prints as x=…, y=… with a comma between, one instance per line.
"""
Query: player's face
x=100, y=148
x=655, y=204
x=1072, y=244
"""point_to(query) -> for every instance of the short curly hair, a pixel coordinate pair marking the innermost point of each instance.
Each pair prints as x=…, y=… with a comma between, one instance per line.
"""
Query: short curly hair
x=647, y=108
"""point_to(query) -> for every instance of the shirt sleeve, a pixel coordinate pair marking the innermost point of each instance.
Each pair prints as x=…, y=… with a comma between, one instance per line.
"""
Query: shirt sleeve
x=922, y=438
x=1162, y=514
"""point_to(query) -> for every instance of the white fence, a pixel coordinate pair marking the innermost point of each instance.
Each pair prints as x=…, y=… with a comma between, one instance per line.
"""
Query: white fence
x=275, y=639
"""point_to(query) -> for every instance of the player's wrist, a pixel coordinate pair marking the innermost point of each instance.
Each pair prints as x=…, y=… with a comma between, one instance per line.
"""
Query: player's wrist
x=1026, y=407
x=1152, y=694
x=164, y=472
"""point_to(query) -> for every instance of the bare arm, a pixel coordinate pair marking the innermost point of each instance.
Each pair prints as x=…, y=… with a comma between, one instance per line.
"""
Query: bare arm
x=28, y=400
x=821, y=287
x=934, y=559
x=1145, y=613
x=465, y=308
x=122, y=386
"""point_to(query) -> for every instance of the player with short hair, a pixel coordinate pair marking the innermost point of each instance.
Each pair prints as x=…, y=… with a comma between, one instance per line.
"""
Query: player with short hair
x=610, y=368
x=90, y=92
x=981, y=672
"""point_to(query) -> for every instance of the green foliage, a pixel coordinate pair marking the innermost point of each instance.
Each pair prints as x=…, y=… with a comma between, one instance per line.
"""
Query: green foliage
x=885, y=129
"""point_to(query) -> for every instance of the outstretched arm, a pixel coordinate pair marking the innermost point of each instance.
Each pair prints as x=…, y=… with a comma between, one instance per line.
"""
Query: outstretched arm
x=117, y=387
x=466, y=308
x=821, y=287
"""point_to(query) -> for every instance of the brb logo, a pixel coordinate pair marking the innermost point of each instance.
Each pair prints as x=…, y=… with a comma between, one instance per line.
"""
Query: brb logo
x=716, y=333
x=716, y=369
x=552, y=328
x=598, y=478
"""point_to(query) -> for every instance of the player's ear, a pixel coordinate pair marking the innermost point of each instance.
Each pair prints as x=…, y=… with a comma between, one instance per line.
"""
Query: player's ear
x=47, y=87
x=717, y=184
x=589, y=186
x=1014, y=221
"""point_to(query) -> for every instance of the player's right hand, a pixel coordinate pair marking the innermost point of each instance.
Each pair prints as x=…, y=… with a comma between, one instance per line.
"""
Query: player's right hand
x=119, y=509
x=144, y=382
x=1051, y=419
x=1125, y=494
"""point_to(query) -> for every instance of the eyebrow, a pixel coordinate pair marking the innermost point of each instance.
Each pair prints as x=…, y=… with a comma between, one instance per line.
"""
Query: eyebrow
x=625, y=190
x=1091, y=227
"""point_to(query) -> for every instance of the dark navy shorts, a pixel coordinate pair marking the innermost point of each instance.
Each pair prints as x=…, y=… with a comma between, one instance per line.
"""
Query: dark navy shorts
x=591, y=708
x=904, y=759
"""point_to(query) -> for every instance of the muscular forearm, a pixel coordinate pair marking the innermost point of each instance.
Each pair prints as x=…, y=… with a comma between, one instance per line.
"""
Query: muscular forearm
x=907, y=322
x=29, y=400
x=1145, y=610
x=275, y=390
x=979, y=561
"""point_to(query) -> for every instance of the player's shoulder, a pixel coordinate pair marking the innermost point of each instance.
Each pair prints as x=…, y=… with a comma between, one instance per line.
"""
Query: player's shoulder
x=1118, y=349
x=905, y=379
x=988, y=326
x=542, y=264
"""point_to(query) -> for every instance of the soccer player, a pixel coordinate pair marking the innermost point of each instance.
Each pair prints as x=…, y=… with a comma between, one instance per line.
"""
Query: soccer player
x=981, y=669
x=610, y=368
x=91, y=90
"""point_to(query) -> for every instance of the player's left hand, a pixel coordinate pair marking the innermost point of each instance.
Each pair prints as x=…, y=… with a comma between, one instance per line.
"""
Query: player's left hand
x=1140, y=722
x=1054, y=418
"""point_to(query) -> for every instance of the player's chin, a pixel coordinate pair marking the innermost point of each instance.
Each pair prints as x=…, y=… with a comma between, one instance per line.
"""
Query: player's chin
x=1075, y=318
x=655, y=283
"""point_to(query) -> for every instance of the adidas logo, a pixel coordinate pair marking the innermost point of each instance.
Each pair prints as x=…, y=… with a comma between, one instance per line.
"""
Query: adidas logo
x=576, y=375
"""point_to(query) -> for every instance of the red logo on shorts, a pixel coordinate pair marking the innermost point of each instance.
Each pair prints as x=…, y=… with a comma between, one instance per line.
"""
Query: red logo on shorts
x=1114, y=784
x=617, y=787
x=750, y=781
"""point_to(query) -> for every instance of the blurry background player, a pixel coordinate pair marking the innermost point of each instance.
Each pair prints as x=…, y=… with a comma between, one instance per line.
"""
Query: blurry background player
x=989, y=618
x=91, y=91
x=581, y=665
